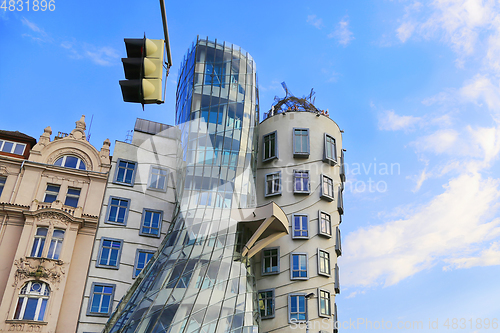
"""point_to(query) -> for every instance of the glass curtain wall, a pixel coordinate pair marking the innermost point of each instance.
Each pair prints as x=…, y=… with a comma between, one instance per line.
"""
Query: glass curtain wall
x=199, y=281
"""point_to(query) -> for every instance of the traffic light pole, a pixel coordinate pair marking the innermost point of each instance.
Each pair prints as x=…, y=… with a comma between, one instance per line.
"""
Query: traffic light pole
x=165, y=31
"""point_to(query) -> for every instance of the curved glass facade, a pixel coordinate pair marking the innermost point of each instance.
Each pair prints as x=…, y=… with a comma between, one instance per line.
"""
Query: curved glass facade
x=199, y=281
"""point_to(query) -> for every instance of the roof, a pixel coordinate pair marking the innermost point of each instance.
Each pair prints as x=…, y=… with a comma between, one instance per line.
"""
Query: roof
x=17, y=134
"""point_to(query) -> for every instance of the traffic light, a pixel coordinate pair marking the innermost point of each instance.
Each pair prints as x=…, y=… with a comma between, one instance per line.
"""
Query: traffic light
x=143, y=71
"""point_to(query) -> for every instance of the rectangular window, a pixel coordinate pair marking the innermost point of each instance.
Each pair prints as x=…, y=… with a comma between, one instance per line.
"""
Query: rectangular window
x=301, y=142
x=39, y=242
x=2, y=183
x=151, y=223
x=270, y=261
x=300, y=226
x=215, y=74
x=342, y=166
x=12, y=147
x=324, y=263
x=297, y=308
x=141, y=259
x=72, y=197
x=325, y=224
x=340, y=199
x=301, y=182
x=326, y=188
x=117, y=210
x=125, y=172
x=330, y=150
x=338, y=246
x=266, y=303
x=51, y=193
x=101, y=299
x=158, y=179
x=337, y=279
x=299, y=265
x=273, y=184
x=109, y=253
x=270, y=146
x=324, y=304
x=56, y=242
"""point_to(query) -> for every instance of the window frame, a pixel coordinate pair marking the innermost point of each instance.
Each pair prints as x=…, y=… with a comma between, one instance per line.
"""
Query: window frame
x=136, y=262
x=108, y=211
x=324, y=195
x=51, y=192
x=3, y=181
x=329, y=300
x=266, y=184
x=320, y=222
x=72, y=196
x=337, y=279
x=78, y=163
x=99, y=254
x=39, y=297
x=329, y=160
x=292, y=254
x=58, y=241
x=132, y=179
x=273, y=304
x=263, y=271
x=328, y=273
x=306, y=312
x=144, y=210
x=301, y=154
x=111, y=301
x=151, y=177
x=340, y=199
x=271, y=157
x=308, y=189
x=294, y=229
x=338, y=241
x=38, y=243
x=14, y=146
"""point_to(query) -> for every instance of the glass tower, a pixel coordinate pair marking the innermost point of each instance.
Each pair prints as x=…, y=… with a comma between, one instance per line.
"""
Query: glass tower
x=200, y=280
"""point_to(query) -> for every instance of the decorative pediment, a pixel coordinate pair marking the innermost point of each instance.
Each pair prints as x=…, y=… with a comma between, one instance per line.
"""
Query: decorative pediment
x=38, y=269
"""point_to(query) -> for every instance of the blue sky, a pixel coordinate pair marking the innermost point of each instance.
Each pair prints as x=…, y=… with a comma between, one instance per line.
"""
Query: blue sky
x=415, y=85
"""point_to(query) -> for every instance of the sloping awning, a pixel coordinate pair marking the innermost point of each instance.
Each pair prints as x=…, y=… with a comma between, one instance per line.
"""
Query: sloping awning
x=267, y=223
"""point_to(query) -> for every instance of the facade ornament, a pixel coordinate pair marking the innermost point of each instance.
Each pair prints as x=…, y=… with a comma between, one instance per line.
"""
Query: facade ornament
x=104, y=153
x=38, y=268
x=79, y=132
x=44, y=139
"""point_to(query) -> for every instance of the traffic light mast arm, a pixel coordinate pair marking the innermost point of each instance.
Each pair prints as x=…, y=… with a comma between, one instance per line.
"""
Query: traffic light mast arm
x=165, y=31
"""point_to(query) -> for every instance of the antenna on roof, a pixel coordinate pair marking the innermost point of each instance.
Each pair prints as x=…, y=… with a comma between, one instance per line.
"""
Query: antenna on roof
x=128, y=137
x=90, y=126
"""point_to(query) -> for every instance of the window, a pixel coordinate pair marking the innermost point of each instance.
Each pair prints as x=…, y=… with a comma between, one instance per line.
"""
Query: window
x=101, y=299
x=337, y=279
x=326, y=188
x=335, y=324
x=12, y=147
x=324, y=263
x=56, y=244
x=266, y=303
x=342, y=166
x=51, y=193
x=125, y=171
x=273, y=184
x=271, y=261
x=32, y=301
x=330, y=150
x=301, y=182
x=109, y=253
x=142, y=257
x=71, y=162
x=297, y=308
x=301, y=142
x=2, y=183
x=72, y=197
x=37, y=249
x=324, y=304
x=298, y=264
x=151, y=223
x=340, y=199
x=117, y=210
x=270, y=146
x=158, y=178
x=325, y=224
x=338, y=246
x=215, y=74
x=300, y=226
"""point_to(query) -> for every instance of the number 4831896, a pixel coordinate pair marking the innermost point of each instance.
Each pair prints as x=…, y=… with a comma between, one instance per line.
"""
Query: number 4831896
x=33, y=5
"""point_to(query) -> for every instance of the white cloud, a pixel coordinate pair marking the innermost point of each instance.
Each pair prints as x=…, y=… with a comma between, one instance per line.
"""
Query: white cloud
x=441, y=141
x=32, y=26
x=449, y=224
x=486, y=257
x=405, y=31
x=390, y=121
x=313, y=20
x=342, y=32
x=104, y=56
x=481, y=88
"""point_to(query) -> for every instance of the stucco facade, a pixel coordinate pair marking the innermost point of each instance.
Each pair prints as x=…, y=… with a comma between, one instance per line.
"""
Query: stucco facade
x=49, y=208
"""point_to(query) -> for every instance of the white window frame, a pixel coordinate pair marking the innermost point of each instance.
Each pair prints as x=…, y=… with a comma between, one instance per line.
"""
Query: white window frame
x=327, y=234
x=263, y=257
x=44, y=294
x=14, y=146
x=74, y=196
x=326, y=158
x=273, y=180
x=51, y=192
x=272, y=156
x=327, y=259
x=301, y=154
x=328, y=181
x=38, y=244
x=78, y=163
x=272, y=305
x=300, y=254
x=290, y=320
x=158, y=176
x=328, y=303
x=306, y=216
x=296, y=176
x=55, y=243
x=3, y=180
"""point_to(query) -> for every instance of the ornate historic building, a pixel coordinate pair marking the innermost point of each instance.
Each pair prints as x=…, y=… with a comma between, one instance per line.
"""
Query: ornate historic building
x=50, y=198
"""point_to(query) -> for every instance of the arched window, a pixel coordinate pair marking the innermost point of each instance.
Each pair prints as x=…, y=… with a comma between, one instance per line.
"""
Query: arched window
x=69, y=161
x=32, y=301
